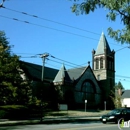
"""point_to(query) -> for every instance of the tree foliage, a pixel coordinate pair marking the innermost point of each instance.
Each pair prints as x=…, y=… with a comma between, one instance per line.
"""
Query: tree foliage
x=116, y=8
x=12, y=88
x=116, y=100
x=116, y=94
x=119, y=86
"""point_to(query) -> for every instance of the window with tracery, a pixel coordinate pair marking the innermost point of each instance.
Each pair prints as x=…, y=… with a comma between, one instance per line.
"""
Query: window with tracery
x=88, y=91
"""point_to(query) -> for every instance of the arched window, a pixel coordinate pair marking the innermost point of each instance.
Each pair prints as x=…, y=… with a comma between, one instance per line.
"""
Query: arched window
x=101, y=63
x=88, y=90
x=97, y=64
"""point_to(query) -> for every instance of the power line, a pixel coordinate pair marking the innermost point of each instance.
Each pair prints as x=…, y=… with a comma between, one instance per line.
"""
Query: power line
x=25, y=53
x=51, y=28
x=35, y=16
x=64, y=61
x=74, y=66
x=83, y=70
x=15, y=19
x=123, y=76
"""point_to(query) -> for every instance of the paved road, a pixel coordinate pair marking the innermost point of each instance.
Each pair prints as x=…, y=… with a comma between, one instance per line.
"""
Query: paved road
x=67, y=126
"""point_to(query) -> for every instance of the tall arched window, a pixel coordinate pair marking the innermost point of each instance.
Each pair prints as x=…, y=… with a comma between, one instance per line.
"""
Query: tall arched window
x=88, y=90
x=101, y=63
x=97, y=64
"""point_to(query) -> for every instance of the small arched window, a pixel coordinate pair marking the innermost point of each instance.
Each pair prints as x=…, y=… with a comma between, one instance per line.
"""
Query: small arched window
x=101, y=63
x=97, y=64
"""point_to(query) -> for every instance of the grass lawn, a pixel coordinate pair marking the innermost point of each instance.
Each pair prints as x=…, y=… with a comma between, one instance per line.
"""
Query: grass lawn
x=74, y=113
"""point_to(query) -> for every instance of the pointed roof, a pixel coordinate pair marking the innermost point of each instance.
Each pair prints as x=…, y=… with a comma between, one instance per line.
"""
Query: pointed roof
x=126, y=94
x=102, y=45
x=62, y=75
x=75, y=73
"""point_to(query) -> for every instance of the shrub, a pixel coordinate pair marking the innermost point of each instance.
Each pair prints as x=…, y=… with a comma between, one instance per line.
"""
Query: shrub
x=2, y=114
x=14, y=112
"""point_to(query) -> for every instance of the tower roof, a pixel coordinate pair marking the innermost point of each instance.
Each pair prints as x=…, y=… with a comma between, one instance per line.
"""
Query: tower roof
x=102, y=45
x=62, y=75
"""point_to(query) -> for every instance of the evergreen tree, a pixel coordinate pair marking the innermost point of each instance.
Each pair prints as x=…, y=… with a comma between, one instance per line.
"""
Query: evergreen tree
x=119, y=86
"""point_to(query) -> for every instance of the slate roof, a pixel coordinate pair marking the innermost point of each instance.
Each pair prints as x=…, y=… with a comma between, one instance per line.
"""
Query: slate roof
x=62, y=75
x=34, y=71
x=76, y=72
x=102, y=45
x=126, y=94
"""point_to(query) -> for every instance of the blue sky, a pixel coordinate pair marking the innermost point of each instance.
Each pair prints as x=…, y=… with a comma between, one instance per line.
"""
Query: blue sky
x=60, y=33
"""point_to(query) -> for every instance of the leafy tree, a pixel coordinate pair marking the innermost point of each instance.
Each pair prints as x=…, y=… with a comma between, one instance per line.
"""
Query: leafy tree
x=116, y=100
x=116, y=8
x=116, y=94
x=12, y=88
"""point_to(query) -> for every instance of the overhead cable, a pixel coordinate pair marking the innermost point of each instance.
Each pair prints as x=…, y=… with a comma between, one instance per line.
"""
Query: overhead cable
x=47, y=27
x=35, y=16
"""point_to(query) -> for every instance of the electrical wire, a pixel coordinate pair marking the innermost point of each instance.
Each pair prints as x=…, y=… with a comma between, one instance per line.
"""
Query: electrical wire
x=81, y=68
x=53, y=29
x=1, y=5
x=35, y=16
x=15, y=19
x=41, y=18
x=64, y=61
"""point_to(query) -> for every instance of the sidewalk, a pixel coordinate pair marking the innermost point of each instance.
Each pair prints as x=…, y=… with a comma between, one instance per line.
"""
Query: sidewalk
x=46, y=120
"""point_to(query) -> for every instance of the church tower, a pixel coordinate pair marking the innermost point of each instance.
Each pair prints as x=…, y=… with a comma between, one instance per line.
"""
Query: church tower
x=103, y=65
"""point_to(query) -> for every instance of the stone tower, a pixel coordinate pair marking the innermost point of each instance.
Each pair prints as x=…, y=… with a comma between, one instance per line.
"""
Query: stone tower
x=103, y=65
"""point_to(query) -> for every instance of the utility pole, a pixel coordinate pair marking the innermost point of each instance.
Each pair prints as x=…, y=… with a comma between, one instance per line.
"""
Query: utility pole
x=43, y=56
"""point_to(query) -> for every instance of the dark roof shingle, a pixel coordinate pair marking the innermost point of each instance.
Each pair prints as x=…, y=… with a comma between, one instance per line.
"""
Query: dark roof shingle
x=126, y=94
x=35, y=71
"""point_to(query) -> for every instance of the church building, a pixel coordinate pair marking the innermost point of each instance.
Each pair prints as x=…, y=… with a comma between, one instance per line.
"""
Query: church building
x=76, y=86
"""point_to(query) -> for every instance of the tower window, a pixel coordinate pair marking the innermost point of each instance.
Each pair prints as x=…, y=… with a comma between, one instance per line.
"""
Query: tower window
x=97, y=64
x=101, y=63
x=98, y=77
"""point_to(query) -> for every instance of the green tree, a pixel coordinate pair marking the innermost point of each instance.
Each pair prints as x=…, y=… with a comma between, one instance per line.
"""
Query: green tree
x=12, y=88
x=116, y=8
x=116, y=94
x=119, y=86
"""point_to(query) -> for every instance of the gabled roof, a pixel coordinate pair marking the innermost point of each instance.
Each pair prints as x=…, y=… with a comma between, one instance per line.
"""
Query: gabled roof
x=34, y=71
x=102, y=45
x=126, y=94
x=75, y=73
x=62, y=75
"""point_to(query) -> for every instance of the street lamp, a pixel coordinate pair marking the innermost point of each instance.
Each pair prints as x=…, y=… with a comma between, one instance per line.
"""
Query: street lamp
x=43, y=56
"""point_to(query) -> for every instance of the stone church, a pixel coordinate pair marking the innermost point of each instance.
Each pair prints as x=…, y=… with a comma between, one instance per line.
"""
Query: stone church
x=77, y=85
